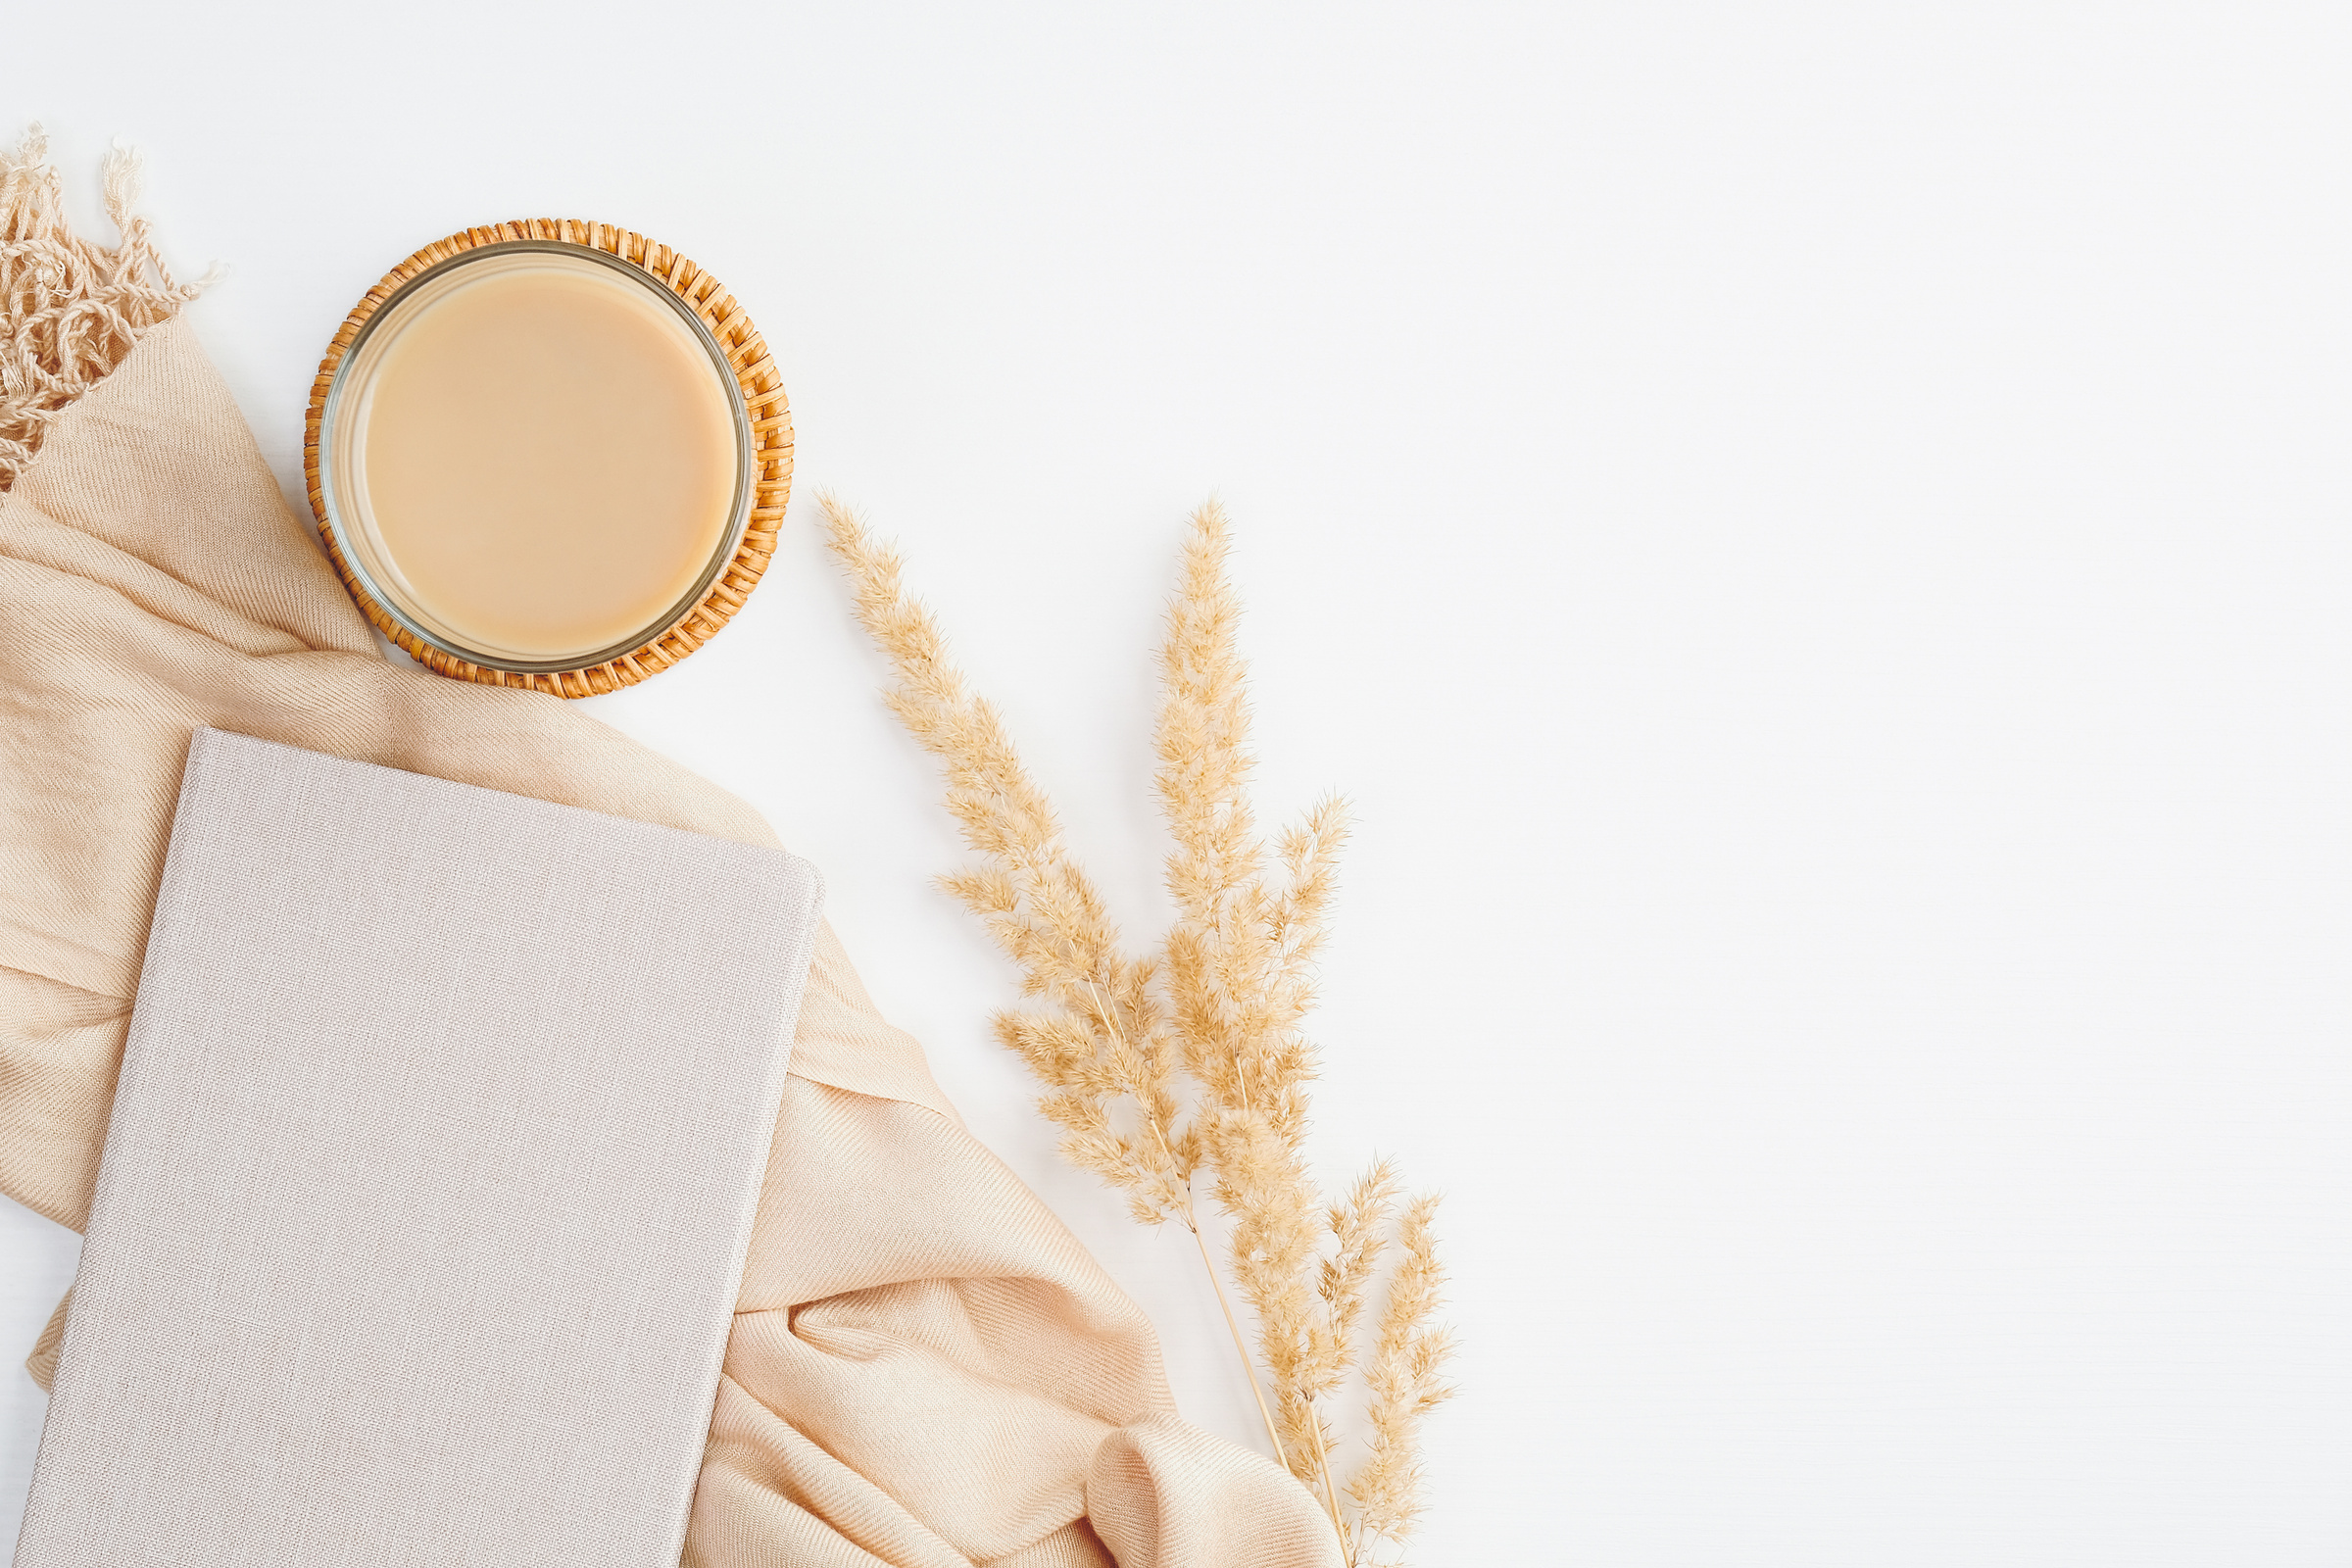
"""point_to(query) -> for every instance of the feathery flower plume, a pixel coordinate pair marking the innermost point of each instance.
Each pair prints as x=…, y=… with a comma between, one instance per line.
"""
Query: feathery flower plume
x=1191, y=1065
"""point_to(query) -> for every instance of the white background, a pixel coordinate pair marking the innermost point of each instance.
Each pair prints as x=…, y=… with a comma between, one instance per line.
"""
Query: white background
x=1816, y=544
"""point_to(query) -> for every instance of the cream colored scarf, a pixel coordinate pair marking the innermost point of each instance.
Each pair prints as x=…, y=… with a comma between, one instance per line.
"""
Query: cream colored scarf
x=925, y=1369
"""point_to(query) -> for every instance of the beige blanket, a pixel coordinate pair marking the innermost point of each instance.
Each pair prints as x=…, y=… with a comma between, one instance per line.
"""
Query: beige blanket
x=925, y=1368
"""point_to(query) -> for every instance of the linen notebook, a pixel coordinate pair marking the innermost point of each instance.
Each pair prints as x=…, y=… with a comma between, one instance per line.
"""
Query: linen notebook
x=432, y=1171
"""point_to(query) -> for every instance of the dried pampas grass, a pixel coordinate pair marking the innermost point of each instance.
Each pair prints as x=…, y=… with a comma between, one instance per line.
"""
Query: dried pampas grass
x=1167, y=1071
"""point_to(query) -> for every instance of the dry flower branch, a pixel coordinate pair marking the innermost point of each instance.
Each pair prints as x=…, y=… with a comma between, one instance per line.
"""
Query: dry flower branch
x=1115, y=1039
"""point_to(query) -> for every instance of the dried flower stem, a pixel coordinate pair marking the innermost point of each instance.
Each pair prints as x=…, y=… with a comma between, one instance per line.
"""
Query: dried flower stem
x=1192, y=1223
x=1241, y=1346
x=1223, y=1001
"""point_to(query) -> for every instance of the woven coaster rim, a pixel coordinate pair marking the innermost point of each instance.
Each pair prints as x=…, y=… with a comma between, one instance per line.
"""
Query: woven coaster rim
x=772, y=452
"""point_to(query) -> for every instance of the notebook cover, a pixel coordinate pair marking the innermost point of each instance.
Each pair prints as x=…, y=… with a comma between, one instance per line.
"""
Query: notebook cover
x=431, y=1175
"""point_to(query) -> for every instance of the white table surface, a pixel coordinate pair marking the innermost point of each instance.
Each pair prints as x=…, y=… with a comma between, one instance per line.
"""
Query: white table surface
x=1817, y=546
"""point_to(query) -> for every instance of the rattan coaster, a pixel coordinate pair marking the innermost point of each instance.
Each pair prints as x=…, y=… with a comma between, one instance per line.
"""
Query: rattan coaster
x=771, y=455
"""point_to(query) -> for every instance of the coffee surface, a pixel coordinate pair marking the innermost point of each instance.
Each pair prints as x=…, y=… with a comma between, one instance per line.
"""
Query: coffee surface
x=548, y=459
